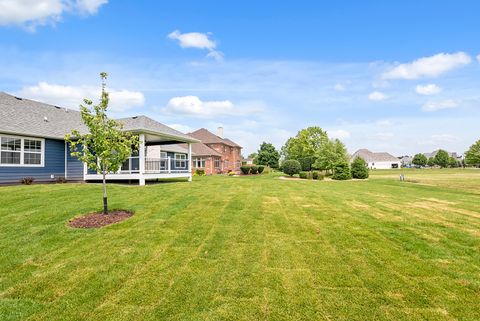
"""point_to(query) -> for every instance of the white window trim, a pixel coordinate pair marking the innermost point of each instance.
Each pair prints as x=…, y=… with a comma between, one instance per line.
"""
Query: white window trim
x=22, y=151
x=181, y=160
x=200, y=160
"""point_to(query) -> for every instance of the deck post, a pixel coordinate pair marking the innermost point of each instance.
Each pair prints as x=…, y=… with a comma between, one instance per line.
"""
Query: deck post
x=141, y=156
x=189, y=165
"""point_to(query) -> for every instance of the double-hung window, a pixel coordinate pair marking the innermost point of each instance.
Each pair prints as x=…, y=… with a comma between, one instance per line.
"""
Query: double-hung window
x=180, y=160
x=216, y=162
x=19, y=151
x=163, y=160
x=199, y=163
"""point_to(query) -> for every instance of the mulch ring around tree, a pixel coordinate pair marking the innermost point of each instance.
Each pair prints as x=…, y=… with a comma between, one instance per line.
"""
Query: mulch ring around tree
x=98, y=219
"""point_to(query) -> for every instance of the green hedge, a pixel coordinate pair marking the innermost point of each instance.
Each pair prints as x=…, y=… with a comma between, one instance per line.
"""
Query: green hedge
x=245, y=169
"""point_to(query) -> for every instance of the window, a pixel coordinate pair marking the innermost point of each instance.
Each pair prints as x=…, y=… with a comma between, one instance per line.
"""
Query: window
x=17, y=151
x=216, y=162
x=199, y=163
x=163, y=160
x=237, y=164
x=180, y=160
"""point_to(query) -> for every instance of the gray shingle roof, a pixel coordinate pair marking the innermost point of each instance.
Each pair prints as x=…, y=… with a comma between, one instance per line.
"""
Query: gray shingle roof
x=32, y=118
x=369, y=156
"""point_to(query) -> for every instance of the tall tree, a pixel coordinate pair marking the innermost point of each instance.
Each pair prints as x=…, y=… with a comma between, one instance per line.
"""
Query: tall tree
x=305, y=144
x=268, y=155
x=419, y=160
x=106, y=146
x=472, y=156
x=442, y=158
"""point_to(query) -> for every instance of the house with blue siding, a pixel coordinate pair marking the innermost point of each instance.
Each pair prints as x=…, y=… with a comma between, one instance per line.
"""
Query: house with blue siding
x=32, y=145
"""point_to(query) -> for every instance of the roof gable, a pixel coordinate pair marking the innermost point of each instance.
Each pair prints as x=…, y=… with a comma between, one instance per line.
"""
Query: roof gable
x=207, y=137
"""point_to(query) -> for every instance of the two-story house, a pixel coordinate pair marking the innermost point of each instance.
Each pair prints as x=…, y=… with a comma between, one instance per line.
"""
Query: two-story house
x=218, y=154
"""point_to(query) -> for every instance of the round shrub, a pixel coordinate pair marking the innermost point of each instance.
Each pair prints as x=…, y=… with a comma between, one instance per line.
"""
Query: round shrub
x=341, y=171
x=316, y=175
x=303, y=175
x=245, y=169
x=200, y=172
x=254, y=169
x=359, y=168
x=291, y=167
x=260, y=169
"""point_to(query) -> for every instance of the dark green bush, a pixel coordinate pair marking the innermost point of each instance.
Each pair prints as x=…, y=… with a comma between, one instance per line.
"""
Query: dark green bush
x=245, y=169
x=254, y=169
x=291, y=167
x=359, y=168
x=260, y=169
x=341, y=171
x=27, y=180
x=200, y=172
x=317, y=175
x=303, y=175
x=307, y=163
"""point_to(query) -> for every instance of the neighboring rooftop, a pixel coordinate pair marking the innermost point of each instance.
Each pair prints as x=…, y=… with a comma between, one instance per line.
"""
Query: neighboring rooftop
x=32, y=118
x=370, y=156
x=207, y=137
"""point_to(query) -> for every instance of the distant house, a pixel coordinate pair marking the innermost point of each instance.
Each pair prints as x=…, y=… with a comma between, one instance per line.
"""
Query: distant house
x=406, y=160
x=452, y=154
x=377, y=160
x=215, y=153
x=32, y=145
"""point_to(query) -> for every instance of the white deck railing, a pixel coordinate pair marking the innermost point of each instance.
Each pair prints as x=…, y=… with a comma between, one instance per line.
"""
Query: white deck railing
x=154, y=165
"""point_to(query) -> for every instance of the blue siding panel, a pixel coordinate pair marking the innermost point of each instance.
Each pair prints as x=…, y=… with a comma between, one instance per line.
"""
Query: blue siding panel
x=74, y=168
x=54, y=165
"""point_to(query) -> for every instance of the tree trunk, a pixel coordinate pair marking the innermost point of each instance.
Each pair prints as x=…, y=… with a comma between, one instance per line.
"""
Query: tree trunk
x=105, y=202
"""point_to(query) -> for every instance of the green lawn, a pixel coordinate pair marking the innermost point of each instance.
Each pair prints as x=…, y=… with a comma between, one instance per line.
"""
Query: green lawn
x=247, y=248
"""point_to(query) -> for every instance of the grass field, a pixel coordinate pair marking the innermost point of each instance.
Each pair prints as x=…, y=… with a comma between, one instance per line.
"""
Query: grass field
x=247, y=248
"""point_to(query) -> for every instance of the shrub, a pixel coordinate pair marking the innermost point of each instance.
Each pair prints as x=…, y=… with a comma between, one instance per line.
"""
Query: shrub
x=200, y=172
x=267, y=169
x=303, y=174
x=231, y=173
x=359, y=168
x=317, y=175
x=341, y=171
x=291, y=167
x=27, y=180
x=260, y=169
x=245, y=169
x=307, y=163
x=254, y=169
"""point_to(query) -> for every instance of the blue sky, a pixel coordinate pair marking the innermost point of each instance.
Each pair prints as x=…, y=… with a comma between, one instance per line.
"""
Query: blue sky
x=402, y=78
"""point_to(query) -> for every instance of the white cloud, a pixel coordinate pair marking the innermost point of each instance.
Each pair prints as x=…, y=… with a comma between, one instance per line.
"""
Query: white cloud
x=377, y=96
x=193, y=106
x=478, y=58
x=72, y=96
x=33, y=13
x=430, y=89
x=338, y=133
x=182, y=128
x=197, y=40
x=383, y=136
x=444, y=138
x=432, y=66
x=339, y=87
x=440, y=104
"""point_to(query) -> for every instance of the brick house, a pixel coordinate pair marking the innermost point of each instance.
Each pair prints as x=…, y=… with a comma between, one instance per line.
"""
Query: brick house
x=215, y=153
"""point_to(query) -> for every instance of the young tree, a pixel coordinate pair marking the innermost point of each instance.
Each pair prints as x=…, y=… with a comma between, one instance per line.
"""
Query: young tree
x=431, y=162
x=442, y=158
x=420, y=160
x=105, y=147
x=472, y=156
x=268, y=155
x=359, y=168
x=329, y=154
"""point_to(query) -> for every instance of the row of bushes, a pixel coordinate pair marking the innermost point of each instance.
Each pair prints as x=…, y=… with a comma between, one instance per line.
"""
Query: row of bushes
x=342, y=171
x=252, y=169
x=311, y=175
